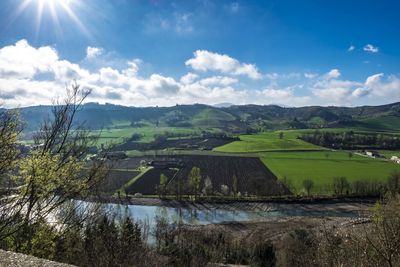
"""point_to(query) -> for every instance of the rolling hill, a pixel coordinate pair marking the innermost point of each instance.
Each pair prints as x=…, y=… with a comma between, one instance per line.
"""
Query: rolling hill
x=235, y=118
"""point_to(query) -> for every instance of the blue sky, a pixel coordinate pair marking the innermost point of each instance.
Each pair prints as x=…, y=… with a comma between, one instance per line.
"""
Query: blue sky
x=141, y=53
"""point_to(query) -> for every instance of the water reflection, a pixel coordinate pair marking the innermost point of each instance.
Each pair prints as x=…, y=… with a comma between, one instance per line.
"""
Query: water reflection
x=210, y=216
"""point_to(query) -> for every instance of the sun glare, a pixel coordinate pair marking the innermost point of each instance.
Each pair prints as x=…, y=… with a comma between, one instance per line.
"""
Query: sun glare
x=56, y=9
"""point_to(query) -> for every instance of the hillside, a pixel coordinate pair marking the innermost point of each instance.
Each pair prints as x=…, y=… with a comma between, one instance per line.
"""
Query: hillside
x=243, y=118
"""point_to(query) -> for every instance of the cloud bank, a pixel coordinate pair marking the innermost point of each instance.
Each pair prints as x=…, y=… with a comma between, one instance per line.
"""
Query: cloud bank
x=37, y=75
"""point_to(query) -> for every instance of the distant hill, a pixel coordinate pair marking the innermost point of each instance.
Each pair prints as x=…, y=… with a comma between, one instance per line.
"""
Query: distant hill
x=223, y=105
x=234, y=118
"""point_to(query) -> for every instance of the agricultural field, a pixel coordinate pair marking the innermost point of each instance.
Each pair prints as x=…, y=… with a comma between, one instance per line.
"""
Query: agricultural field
x=269, y=141
x=322, y=167
x=118, y=135
x=282, y=155
x=252, y=175
x=127, y=164
x=147, y=183
x=116, y=179
x=175, y=143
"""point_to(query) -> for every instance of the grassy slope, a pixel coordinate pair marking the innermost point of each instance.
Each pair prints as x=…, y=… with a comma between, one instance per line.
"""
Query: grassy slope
x=380, y=124
x=211, y=117
x=268, y=142
x=298, y=166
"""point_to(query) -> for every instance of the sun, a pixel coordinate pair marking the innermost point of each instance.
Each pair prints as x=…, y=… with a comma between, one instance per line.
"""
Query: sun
x=56, y=8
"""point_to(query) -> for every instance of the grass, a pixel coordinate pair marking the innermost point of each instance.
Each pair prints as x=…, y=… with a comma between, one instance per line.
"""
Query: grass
x=383, y=123
x=321, y=169
x=168, y=152
x=269, y=141
x=117, y=135
x=211, y=118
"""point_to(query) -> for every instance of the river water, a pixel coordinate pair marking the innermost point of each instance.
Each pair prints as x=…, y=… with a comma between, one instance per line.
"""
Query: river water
x=147, y=215
x=202, y=216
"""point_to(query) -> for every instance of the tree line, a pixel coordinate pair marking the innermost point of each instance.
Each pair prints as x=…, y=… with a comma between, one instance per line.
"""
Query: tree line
x=352, y=140
x=341, y=186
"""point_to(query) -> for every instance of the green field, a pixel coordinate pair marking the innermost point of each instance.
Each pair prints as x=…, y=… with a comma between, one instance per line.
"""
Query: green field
x=286, y=156
x=211, y=118
x=117, y=135
x=298, y=160
x=269, y=141
x=317, y=166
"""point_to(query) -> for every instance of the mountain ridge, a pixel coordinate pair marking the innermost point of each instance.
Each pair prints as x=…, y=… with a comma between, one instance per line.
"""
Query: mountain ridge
x=245, y=117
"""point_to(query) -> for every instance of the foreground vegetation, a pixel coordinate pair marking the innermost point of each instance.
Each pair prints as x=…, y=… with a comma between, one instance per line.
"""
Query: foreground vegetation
x=105, y=240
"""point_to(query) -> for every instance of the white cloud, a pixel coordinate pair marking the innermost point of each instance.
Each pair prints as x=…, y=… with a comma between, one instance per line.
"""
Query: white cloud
x=360, y=92
x=133, y=68
x=310, y=75
x=381, y=87
x=157, y=85
x=92, y=52
x=370, y=48
x=277, y=94
x=32, y=76
x=218, y=80
x=24, y=61
x=280, y=97
x=333, y=95
x=331, y=90
x=351, y=48
x=333, y=73
x=208, y=61
x=189, y=78
x=373, y=79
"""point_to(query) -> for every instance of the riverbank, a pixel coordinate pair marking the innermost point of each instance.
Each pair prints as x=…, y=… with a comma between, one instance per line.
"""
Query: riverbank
x=330, y=206
x=277, y=229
